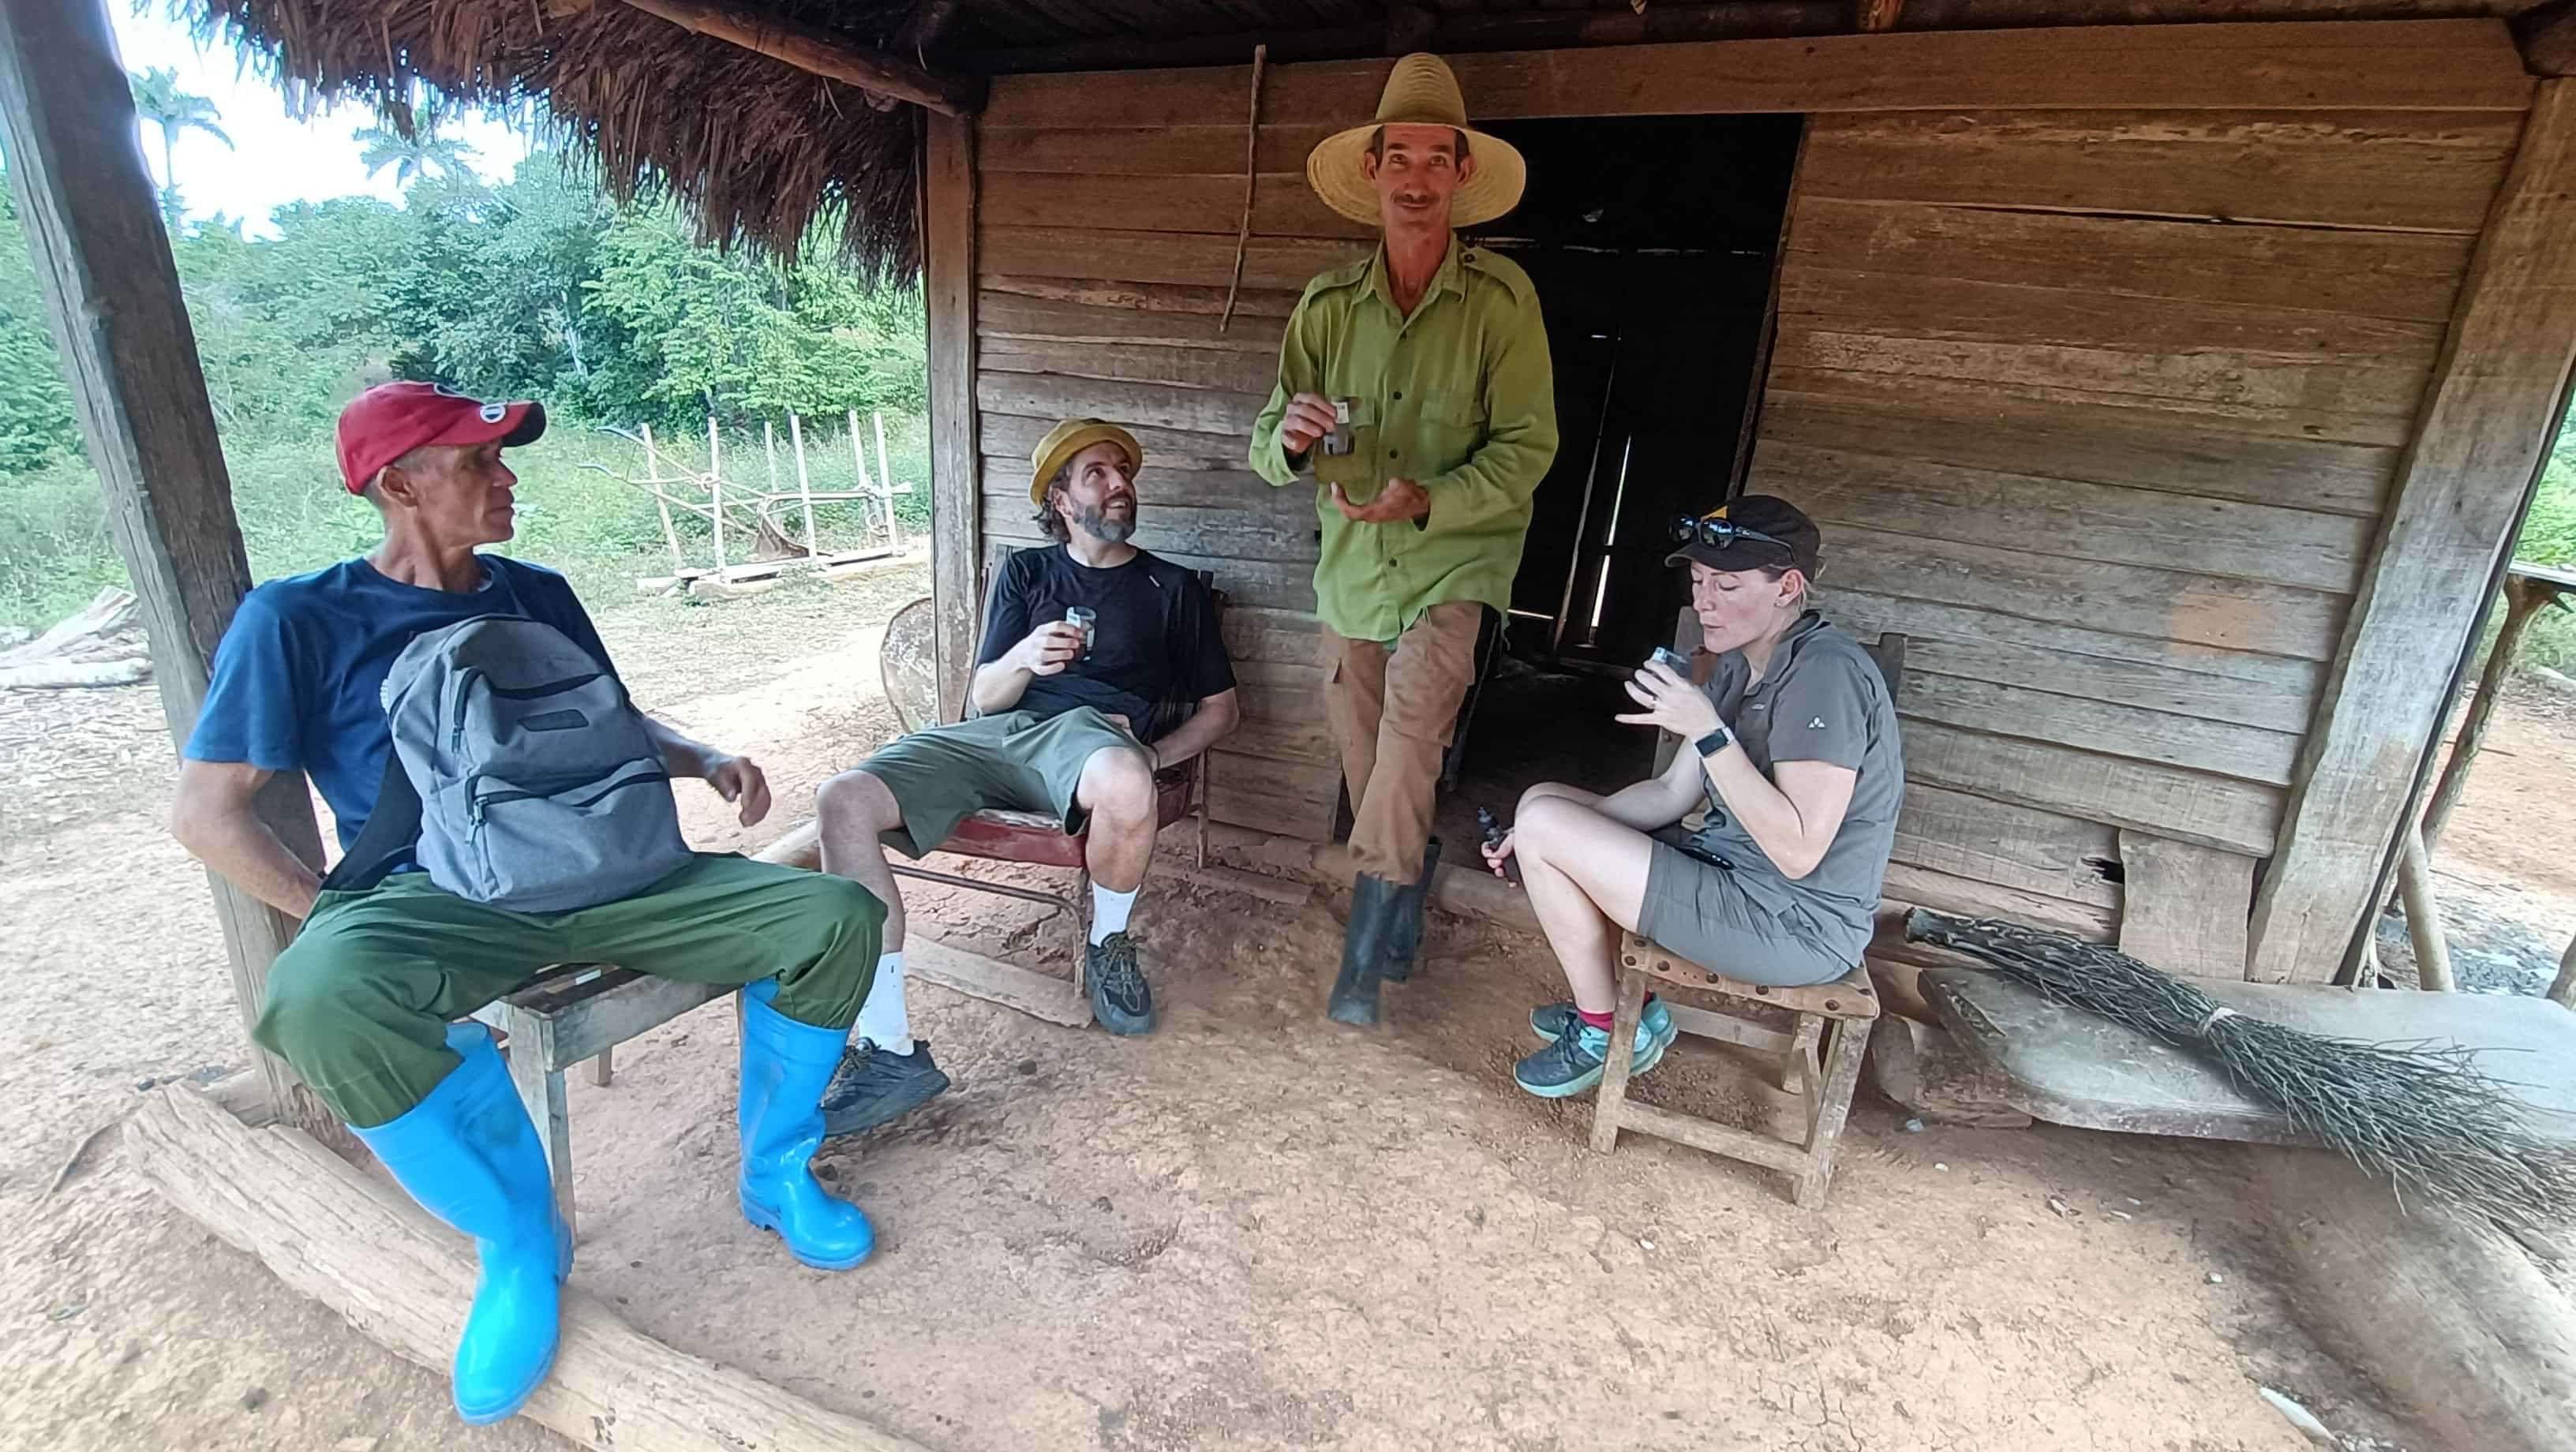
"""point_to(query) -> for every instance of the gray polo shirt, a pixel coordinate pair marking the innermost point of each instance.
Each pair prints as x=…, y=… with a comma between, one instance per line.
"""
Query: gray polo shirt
x=1822, y=700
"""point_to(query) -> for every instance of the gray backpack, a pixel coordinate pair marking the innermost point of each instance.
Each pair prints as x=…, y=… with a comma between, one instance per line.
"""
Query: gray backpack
x=537, y=788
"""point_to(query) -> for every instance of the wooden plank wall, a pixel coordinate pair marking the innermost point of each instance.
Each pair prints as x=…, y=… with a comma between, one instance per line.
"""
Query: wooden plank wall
x=1104, y=250
x=2103, y=409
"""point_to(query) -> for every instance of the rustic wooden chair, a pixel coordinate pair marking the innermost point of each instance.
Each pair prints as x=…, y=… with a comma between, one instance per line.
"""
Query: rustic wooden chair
x=1035, y=838
x=1835, y=1018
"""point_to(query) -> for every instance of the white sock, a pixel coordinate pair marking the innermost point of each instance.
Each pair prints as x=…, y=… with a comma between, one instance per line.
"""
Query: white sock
x=1109, y=911
x=882, y=1019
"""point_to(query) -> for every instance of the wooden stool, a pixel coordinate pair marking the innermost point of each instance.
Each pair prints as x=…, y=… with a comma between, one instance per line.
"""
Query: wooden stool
x=1848, y=1003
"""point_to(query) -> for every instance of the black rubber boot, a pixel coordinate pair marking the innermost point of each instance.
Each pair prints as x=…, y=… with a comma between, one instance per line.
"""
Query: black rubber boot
x=1363, y=952
x=1404, y=930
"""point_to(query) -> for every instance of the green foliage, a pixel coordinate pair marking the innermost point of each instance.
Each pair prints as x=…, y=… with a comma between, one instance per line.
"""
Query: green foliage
x=417, y=157
x=538, y=287
x=158, y=99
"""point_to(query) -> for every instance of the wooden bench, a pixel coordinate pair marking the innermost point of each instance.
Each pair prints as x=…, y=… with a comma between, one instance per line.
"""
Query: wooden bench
x=1835, y=1017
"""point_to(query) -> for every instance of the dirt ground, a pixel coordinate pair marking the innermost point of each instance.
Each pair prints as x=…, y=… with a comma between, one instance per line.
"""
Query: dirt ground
x=1252, y=1230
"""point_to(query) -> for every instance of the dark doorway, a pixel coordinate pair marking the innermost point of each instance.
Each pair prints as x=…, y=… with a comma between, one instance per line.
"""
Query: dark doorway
x=1654, y=243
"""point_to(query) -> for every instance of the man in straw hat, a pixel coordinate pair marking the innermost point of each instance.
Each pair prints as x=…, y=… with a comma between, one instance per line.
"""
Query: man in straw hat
x=1414, y=386
x=1061, y=719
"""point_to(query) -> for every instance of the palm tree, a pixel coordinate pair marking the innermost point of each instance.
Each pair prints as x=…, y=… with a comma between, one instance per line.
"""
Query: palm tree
x=416, y=155
x=158, y=99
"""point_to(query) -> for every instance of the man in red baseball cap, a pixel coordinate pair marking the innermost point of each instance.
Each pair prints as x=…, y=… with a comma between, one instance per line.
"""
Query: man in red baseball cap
x=367, y=1002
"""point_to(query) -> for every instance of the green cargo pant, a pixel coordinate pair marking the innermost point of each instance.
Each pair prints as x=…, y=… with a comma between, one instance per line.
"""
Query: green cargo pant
x=359, y=1003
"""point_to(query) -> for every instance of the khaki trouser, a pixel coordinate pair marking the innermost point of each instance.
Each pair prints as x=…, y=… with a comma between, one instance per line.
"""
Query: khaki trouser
x=1392, y=714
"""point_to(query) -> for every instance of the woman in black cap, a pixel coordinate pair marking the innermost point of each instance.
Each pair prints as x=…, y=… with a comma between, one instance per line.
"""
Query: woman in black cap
x=1791, y=747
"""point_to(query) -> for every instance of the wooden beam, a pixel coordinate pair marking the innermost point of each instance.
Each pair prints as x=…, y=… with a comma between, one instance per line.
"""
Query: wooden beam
x=353, y=1243
x=2424, y=917
x=948, y=249
x=1878, y=15
x=2547, y=36
x=2484, y=431
x=112, y=291
x=2562, y=989
x=2183, y=907
x=820, y=52
x=2522, y=602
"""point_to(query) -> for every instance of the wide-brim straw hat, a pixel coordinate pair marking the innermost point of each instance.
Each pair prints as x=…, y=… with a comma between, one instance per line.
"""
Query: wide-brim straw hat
x=1420, y=91
x=1069, y=438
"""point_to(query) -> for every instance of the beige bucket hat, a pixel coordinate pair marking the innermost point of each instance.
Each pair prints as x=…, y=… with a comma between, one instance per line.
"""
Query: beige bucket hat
x=1421, y=90
x=1069, y=438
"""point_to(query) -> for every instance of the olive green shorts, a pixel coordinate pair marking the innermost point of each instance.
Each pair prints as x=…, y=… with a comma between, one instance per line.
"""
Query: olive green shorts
x=1017, y=761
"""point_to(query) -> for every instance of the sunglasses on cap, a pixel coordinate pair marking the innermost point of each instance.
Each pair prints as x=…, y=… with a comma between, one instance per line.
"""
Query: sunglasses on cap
x=1717, y=533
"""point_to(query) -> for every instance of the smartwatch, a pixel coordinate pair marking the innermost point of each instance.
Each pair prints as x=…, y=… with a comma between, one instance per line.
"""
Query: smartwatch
x=1713, y=743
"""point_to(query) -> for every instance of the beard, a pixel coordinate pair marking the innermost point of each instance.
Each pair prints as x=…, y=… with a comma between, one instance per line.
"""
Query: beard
x=1105, y=527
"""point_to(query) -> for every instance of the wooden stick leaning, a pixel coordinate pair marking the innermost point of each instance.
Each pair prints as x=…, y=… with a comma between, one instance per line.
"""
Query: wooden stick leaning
x=358, y=1246
x=1251, y=178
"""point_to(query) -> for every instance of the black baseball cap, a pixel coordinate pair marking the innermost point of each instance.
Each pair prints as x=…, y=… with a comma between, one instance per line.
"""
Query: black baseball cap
x=1793, y=540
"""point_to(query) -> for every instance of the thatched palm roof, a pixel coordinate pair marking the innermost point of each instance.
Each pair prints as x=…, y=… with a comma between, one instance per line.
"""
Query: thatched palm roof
x=760, y=149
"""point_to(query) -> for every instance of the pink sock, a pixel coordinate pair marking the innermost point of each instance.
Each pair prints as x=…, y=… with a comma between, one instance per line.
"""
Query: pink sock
x=1601, y=1021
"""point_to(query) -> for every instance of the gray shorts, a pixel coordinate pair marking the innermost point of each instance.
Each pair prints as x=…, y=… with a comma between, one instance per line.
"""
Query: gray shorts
x=1017, y=761
x=1698, y=910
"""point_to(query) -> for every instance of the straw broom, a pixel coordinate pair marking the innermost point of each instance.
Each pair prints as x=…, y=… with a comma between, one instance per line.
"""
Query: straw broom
x=2425, y=1117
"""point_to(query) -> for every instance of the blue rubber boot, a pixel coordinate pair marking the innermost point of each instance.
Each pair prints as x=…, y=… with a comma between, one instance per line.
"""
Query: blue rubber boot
x=785, y=1065
x=469, y=1155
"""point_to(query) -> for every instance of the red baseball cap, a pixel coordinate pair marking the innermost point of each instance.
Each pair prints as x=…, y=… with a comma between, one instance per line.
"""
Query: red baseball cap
x=392, y=419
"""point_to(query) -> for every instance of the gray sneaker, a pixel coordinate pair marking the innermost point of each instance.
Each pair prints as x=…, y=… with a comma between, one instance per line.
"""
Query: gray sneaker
x=873, y=1086
x=1120, y=1001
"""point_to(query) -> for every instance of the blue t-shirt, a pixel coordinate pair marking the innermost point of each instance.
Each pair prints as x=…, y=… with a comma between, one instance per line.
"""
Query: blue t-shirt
x=299, y=677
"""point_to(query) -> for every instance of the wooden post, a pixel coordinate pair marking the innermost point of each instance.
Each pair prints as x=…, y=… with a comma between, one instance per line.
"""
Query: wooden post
x=112, y=292
x=948, y=249
x=2562, y=989
x=2424, y=917
x=2486, y=424
x=769, y=450
x=715, y=490
x=653, y=478
x=859, y=460
x=804, y=486
x=2523, y=600
x=885, y=482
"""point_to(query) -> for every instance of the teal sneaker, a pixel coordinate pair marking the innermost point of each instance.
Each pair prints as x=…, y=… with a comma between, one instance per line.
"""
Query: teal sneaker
x=1551, y=1021
x=1573, y=1063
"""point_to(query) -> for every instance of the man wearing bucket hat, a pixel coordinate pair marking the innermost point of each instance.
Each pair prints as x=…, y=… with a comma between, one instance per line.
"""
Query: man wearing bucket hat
x=1414, y=388
x=1064, y=720
x=370, y=1003
x=1790, y=747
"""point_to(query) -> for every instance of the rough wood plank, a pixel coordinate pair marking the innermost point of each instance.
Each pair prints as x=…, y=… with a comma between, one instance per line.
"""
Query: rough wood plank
x=1096, y=294
x=1222, y=369
x=2487, y=425
x=2363, y=401
x=2220, y=748
x=948, y=281
x=1171, y=532
x=1982, y=840
x=2274, y=692
x=2441, y=64
x=1054, y=1000
x=1884, y=488
x=2410, y=277
x=1187, y=258
x=2092, y=446
x=2215, y=423
x=2122, y=599
x=1134, y=151
x=359, y=1247
x=1161, y=484
x=2406, y=172
x=121, y=331
x=1045, y=395
x=1710, y=1136
x=1015, y=437
x=2081, y=316
x=2167, y=801
x=1282, y=204
x=1012, y=315
x=2184, y=907
x=1966, y=897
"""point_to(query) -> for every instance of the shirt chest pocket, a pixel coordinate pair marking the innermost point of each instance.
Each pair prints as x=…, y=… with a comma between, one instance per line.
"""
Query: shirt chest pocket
x=1452, y=421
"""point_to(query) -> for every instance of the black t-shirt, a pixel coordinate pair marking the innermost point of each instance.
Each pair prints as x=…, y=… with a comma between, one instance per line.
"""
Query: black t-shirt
x=1155, y=643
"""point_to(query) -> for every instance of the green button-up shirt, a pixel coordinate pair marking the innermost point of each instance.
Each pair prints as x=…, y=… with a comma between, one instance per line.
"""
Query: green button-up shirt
x=1459, y=397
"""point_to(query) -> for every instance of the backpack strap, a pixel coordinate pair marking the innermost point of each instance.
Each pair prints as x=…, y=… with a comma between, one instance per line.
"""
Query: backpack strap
x=392, y=829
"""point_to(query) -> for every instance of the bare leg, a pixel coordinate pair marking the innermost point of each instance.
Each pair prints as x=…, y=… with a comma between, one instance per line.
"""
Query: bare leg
x=1117, y=789
x=1586, y=877
x=852, y=809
